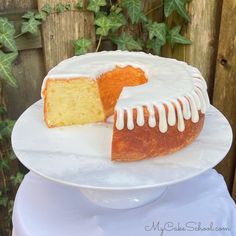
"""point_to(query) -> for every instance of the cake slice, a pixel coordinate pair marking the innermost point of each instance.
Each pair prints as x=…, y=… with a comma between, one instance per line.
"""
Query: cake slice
x=84, y=100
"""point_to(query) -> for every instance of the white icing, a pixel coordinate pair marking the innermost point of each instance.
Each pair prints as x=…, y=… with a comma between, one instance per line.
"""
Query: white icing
x=171, y=113
x=120, y=119
x=186, y=108
x=180, y=117
x=194, y=110
x=130, y=120
x=152, y=119
x=140, y=116
x=178, y=86
x=162, y=118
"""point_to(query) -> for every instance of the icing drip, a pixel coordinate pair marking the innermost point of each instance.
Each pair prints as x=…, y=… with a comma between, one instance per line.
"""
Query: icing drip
x=202, y=100
x=163, y=127
x=171, y=114
x=194, y=111
x=120, y=119
x=180, y=117
x=140, y=116
x=186, y=108
x=152, y=118
x=197, y=100
x=130, y=120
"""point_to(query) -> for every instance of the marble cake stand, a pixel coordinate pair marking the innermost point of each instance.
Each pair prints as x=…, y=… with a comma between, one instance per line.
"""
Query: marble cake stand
x=80, y=156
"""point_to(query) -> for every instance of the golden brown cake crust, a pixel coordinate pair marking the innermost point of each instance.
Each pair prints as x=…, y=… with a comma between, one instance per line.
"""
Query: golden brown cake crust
x=145, y=142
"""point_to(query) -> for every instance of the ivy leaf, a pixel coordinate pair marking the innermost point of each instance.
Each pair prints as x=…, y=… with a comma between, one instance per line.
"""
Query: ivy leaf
x=28, y=15
x=41, y=15
x=94, y=5
x=59, y=8
x=157, y=30
x=30, y=26
x=6, y=127
x=17, y=179
x=46, y=8
x=176, y=5
x=155, y=45
x=81, y=46
x=126, y=42
x=134, y=8
x=7, y=31
x=6, y=67
x=117, y=20
x=80, y=4
x=104, y=25
x=173, y=37
x=116, y=8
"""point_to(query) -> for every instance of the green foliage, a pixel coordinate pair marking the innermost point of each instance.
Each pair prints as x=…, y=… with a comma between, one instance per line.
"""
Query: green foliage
x=117, y=20
x=178, y=6
x=104, y=25
x=60, y=7
x=127, y=42
x=155, y=45
x=3, y=110
x=174, y=37
x=41, y=15
x=30, y=26
x=46, y=8
x=94, y=5
x=134, y=8
x=3, y=197
x=7, y=31
x=157, y=30
x=81, y=46
x=6, y=74
x=17, y=179
x=6, y=127
x=80, y=4
x=28, y=15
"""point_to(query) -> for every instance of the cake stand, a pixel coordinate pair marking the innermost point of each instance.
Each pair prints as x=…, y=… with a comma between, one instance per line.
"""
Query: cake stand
x=80, y=156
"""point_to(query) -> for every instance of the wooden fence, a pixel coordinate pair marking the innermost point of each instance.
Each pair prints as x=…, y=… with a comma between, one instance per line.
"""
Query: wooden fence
x=212, y=31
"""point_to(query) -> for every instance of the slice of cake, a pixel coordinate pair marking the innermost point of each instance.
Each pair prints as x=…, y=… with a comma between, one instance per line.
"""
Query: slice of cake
x=158, y=103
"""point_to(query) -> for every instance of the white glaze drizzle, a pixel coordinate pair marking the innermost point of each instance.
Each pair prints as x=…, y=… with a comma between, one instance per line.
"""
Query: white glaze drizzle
x=202, y=100
x=180, y=118
x=152, y=117
x=140, y=116
x=130, y=120
x=186, y=108
x=194, y=110
x=171, y=113
x=176, y=85
x=120, y=119
x=163, y=127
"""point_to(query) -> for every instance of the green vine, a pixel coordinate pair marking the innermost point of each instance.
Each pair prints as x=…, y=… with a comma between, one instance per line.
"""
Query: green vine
x=114, y=21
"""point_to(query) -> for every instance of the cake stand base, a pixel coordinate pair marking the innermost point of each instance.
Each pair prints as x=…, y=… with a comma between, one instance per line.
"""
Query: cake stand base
x=123, y=199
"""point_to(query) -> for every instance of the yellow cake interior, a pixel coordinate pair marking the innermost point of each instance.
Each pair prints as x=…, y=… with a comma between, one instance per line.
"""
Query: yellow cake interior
x=69, y=101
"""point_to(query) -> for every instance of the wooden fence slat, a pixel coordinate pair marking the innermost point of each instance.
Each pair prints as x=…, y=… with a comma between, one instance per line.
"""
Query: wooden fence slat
x=203, y=31
x=29, y=71
x=61, y=29
x=224, y=97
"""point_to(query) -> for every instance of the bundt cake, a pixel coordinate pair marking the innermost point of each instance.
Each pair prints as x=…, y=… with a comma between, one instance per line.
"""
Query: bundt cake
x=158, y=103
